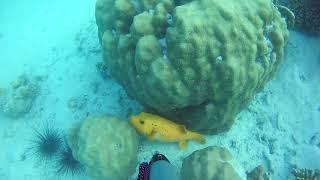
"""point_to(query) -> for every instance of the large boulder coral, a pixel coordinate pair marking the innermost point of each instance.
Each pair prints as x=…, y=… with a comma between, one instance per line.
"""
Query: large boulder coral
x=197, y=62
x=106, y=146
x=209, y=163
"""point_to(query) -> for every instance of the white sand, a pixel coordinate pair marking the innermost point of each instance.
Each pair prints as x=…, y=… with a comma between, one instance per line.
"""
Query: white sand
x=43, y=38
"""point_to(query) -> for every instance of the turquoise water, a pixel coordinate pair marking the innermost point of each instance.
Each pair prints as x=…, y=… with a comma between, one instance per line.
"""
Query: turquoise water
x=54, y=44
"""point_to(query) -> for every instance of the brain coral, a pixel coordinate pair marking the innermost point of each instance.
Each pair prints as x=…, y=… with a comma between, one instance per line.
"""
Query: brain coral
x=197, y=62
x=106, y=146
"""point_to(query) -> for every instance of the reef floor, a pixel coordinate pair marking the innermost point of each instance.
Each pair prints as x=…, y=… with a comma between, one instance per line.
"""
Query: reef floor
x=56, y=41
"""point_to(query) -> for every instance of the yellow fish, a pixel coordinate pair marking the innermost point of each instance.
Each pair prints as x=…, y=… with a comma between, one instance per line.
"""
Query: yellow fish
x=155, y=127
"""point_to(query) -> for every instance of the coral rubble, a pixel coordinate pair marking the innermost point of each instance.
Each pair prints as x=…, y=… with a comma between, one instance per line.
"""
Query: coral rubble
x=17, y=100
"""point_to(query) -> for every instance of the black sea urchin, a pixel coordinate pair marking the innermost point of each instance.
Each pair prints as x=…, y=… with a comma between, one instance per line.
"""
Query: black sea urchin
x=46, y=142
x=66, y=164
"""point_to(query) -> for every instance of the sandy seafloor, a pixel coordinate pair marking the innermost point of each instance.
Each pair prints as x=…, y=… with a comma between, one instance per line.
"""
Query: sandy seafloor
x=58, y=41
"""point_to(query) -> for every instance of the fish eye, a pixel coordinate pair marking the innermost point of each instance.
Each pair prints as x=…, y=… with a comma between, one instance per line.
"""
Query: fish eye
x=141, y=121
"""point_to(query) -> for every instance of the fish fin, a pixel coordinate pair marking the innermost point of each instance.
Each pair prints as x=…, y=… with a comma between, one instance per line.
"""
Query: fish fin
x=198, y=138
x=152, y=135
x=183, y=144
x=183, y=128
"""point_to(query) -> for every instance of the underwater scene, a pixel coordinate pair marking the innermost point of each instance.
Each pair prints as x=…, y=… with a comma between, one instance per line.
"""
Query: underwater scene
x=160, y=90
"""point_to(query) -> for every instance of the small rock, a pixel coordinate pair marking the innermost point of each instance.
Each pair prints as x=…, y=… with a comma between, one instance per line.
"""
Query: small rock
x=18, y=99
x=212, y=162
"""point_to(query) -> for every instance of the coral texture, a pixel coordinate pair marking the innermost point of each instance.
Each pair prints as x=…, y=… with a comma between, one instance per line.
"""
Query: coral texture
x=106, y=146
x=17, y=100
x=197, y=62
x=209, y=163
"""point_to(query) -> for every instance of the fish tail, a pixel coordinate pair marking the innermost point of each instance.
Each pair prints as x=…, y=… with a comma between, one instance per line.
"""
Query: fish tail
x=198, y=138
